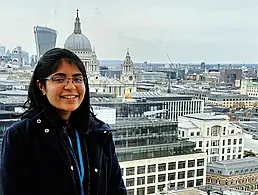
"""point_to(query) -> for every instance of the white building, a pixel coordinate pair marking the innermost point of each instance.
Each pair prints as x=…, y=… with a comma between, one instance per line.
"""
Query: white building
x=107, y=115
x=213, y=134
x=150, y=176
x=81, y=46
x=249, y=87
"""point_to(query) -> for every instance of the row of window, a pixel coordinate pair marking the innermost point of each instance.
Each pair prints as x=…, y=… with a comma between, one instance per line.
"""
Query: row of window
x=162, y=177
x=164, y=166
x=237, y=171
x=228, y=150
x=160, y=188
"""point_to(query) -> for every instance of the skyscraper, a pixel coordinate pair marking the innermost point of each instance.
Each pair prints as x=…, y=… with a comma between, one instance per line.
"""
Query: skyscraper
x=45, y=39
x=2, y=50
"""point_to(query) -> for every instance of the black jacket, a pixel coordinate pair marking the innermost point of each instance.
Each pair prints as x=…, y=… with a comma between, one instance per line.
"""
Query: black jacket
x=34, y=160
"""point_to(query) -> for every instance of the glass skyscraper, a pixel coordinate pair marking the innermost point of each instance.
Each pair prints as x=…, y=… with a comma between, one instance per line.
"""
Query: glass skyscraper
x=45, y=39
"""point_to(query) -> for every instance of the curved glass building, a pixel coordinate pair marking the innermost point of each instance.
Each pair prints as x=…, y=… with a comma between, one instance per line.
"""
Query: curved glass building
x=45, y=39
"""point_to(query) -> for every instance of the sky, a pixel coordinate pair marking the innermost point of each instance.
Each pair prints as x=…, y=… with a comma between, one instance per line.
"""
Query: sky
x=189, y=31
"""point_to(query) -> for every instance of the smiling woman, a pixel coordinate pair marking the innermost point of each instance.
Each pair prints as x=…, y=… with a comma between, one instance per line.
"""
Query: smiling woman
x=64, y=95
x=59, y=146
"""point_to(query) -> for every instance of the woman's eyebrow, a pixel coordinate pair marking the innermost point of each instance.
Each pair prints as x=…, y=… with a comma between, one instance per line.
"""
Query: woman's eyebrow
x=63, y=74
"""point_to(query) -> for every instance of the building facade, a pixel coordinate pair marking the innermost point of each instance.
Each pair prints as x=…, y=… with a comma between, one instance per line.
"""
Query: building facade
x=153, y=105
x=241, y=174
x=2, y=51
x=45, y=39
x=153, y=159
x=215, y=135
x=231, y=76
x=19, y=57
x=78, y=43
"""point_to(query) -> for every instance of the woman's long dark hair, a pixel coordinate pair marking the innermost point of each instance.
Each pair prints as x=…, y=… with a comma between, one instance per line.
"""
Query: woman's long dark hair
x=47, y=65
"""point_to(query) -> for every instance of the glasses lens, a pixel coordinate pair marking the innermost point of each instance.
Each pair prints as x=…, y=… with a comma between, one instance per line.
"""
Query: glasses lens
x=62, y=80
x=59, y=80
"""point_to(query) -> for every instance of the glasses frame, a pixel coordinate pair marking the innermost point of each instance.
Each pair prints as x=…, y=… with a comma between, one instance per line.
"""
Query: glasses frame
x=67, y=80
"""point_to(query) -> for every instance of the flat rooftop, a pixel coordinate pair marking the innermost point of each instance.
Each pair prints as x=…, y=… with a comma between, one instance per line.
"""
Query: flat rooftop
x=140, y=121
x=235, y=163
x=206, y=116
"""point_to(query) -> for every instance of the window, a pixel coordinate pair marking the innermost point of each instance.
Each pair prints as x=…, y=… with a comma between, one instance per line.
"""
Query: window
x=181, y=164
x=198, y=133
x=224, y=130
x=130, y=171
x=240, y=141
x=161, y=187
x=162, y=167
x=235, y=141
x=151, y=190
x=140, y=191
x=130, y=192
x=223, y=143
x=192, y=134
x=140, y=180
x=171, y=176
x=200, y=144
x=199, y=172
x=199, y=182
x=140, y=169
x=181, y=175
x=190, y=183
x=200, y=162
x=215, y=130
x=161, y=177
x=190, y=173
x=208, y=131
x=151, y=168
x=191, y=163
x=130, y=182
x=171, y=166
x=151, y=179
x=229, y=141
x=181, y=185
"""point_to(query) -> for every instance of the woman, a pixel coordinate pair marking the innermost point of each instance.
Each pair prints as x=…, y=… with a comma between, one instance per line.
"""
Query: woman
x=59, y=147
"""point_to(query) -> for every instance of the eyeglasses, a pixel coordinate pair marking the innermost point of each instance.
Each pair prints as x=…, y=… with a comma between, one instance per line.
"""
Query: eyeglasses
x=60, y=80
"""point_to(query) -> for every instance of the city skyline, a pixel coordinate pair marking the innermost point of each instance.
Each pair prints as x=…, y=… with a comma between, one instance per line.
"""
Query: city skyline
x=214, y=32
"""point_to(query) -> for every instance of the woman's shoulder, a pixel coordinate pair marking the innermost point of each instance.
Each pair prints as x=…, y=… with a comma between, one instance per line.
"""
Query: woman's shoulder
x=99, y=126
x=22, y=126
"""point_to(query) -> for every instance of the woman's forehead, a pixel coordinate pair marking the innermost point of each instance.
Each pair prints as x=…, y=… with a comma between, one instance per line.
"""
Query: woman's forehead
x=67, y=67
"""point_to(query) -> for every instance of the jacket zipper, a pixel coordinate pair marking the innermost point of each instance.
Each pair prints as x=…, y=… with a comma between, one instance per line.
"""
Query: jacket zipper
x=100, y=160
x=68, y=156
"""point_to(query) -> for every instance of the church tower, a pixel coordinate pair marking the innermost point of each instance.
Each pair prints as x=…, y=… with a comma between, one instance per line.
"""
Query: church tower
x=93, y=72
x=127, y=76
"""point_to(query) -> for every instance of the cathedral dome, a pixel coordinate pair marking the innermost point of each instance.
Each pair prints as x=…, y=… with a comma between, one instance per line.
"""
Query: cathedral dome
x=77, y=41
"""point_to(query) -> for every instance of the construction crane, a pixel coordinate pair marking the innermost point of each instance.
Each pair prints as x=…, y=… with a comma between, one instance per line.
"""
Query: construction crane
x=169, y=75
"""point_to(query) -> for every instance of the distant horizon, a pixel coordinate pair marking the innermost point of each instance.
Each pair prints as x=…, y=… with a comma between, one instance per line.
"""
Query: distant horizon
x=166, y=62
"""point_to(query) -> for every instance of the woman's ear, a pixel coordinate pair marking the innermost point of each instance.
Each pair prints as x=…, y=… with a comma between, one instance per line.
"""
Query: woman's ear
x=41, y=87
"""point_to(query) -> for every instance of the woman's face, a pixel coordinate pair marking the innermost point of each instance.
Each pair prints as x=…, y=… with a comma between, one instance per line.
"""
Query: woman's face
x=68, y=96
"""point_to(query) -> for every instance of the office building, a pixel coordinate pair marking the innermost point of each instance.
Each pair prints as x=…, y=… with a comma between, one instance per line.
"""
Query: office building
x=241, y=174
x=45, y=39
x=153, y=159
x=213, y=134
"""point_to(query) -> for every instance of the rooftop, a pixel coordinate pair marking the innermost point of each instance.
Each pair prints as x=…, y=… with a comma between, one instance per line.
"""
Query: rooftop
x=187, y=191
x=235, y=163
x=206, y=116
x=140, y=121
